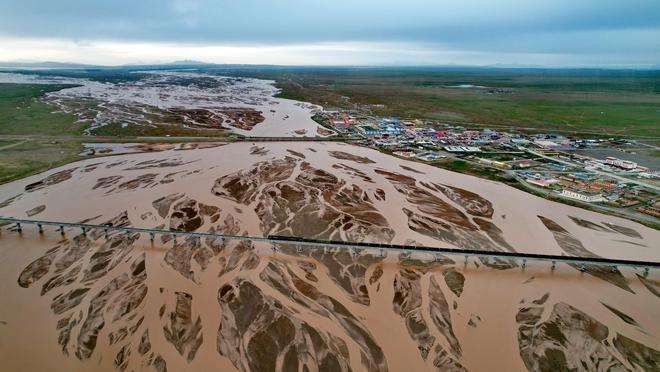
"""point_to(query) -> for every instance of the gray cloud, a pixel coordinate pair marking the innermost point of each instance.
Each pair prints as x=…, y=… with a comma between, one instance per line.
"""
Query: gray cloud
x=562, y=27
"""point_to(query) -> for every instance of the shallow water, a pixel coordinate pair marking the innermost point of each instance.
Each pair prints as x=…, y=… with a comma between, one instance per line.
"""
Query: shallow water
x=400, y=312
x=149, y=100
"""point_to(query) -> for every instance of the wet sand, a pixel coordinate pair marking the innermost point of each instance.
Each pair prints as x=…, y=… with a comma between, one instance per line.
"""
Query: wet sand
x=229, y=306
x=241, y=105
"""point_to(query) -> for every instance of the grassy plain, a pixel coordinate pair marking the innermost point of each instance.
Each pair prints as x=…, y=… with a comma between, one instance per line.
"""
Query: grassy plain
x=33, y=156
x=34, y=138
x=23, y=116
x=575, y=102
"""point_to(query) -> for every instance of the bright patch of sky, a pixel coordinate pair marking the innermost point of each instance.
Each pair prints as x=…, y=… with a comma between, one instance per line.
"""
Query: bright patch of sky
x=605, y=33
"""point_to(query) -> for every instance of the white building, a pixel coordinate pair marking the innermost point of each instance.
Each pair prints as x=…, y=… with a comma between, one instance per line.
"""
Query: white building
x=461, y=149
x=583, y=196
x=625, y=164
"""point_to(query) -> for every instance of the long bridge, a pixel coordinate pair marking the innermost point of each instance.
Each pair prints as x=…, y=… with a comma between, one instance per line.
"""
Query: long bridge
x=580, y=262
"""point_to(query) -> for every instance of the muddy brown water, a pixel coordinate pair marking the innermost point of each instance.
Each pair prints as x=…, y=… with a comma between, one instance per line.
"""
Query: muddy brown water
x=212, y=305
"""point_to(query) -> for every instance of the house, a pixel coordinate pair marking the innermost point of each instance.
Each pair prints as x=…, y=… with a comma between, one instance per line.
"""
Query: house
x=461, y=149
x=620, y=163
x=430, y=156
x=591, y=197
x=521, y=163
x=495, y=163
x=543, y=182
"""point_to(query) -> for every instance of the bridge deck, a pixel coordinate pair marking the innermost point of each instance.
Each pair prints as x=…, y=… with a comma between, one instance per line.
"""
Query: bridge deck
x=345, y=245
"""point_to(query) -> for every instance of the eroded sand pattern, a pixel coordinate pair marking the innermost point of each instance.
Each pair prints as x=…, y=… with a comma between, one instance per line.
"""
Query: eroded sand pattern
x=118, y=302
x=190, y=99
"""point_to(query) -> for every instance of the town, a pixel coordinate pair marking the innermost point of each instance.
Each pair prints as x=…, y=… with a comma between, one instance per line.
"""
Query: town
x=548, y=164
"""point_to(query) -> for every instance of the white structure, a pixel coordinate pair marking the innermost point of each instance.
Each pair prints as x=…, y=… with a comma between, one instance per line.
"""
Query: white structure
x=543, y=182
x=583, y=196
x=461, y=149
x=625, y=164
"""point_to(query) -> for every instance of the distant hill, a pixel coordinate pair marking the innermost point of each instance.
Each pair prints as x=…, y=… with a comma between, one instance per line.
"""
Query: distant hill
x=187, y=62
x=67, y=65
x=46, y=64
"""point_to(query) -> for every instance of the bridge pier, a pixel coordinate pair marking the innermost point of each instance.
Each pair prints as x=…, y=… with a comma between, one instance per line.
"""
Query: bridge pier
x=579, y=263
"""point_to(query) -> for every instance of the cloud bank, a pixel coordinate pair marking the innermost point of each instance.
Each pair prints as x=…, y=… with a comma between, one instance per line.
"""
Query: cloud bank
x=412, y=32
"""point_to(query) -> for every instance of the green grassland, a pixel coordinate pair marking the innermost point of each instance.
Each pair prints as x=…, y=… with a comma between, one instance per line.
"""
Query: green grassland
x=22, y=117
x=33, y=138
x=581, y=102
x=33, y=156
x=23, y=114
x=577, y=102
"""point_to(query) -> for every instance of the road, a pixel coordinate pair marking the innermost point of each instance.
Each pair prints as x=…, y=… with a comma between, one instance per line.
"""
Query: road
x=615, y=211
x=97, y=139
x=596, y=171
x=611, y=210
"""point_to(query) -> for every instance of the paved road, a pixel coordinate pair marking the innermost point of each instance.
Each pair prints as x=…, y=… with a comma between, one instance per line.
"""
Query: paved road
x=616, y=211
x=612, y=210
x=97, y=139
x=596, y=171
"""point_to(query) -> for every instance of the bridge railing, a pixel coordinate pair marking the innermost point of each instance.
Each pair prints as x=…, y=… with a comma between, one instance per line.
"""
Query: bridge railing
x=302, y=242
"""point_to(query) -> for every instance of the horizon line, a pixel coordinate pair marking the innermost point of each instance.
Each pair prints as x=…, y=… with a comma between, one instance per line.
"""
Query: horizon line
x=77, y=65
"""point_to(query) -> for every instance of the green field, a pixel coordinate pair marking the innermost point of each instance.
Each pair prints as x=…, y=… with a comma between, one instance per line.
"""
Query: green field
x=24, y=114
x=22, y=118
x=33, y=138
x=33, y=156
x=580, y=102
x=576, y=102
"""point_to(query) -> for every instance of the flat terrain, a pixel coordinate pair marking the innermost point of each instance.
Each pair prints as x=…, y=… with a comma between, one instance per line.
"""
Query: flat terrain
x=22, y=116
x=211, y=304
x=586, y=102
x=28, y=157
x=99, y=302
x=591, y=103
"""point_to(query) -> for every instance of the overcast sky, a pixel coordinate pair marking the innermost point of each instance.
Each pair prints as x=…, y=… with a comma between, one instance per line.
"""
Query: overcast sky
x=334, y=32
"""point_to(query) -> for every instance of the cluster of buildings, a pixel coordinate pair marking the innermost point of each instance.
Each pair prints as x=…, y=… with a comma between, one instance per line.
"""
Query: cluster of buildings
x=598, y=189
x=578, y=186
x=544, y=160
x=394, y=132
